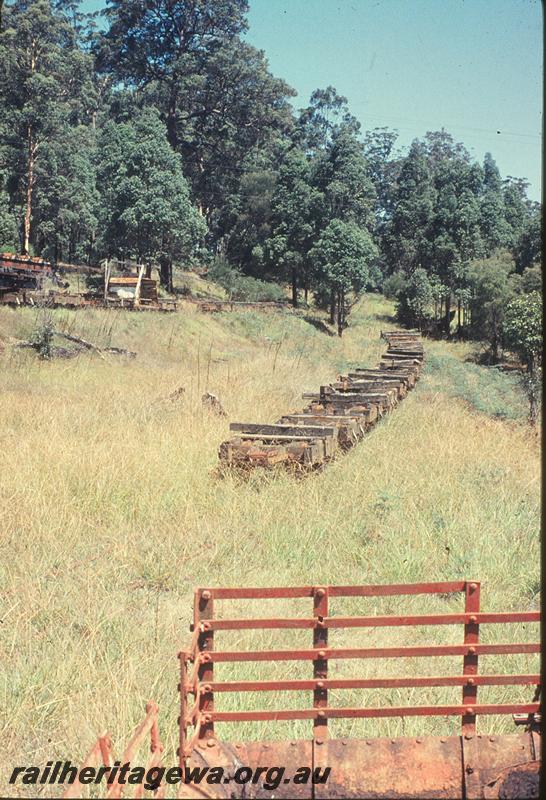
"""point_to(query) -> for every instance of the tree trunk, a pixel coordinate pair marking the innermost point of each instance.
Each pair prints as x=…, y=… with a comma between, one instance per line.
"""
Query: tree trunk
x=495, y=344
x=30, y=185
x=172, y=133
x=447, y=321
x=459, y=323
x=166, y=273
x=333, y=308
x=340, y=312
x=294, y=287
x=495, y=349
x=532, y=392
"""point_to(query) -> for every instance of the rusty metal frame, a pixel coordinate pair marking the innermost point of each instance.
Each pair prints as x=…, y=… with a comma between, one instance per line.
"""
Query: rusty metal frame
x=197, y=662
x=101, y=754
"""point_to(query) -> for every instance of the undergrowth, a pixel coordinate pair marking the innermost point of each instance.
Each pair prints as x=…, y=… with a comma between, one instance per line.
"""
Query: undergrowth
x=486, y=389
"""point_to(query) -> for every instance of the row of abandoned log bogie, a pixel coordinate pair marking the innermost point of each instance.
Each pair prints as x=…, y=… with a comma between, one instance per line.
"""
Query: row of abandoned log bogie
x=337, y=416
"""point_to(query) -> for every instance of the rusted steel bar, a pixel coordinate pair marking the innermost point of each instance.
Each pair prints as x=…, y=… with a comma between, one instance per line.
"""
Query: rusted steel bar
x=374, y=590
x=320, y=712
x=468, y=619
x=148, y=726
x=423, y=651
x=374, y=683
x=205, y=670
x=320, y=665
x=194, y=740
x=387, y=590
x=366, y=713
x=195, y=713
x=155, y=759
x=470, y=659
x=100, y=753
x=183, y=689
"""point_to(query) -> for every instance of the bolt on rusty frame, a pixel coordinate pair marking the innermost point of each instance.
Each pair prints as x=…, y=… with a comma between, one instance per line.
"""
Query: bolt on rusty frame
x=197, y=663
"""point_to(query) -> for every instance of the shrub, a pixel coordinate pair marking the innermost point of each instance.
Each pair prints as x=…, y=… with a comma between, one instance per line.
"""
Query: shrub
x=531, y=280
x=42, y=336
x=241, y=287
x=394, y=285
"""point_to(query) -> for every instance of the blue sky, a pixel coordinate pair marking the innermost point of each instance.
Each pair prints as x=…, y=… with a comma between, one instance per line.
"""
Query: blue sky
x=473, y=67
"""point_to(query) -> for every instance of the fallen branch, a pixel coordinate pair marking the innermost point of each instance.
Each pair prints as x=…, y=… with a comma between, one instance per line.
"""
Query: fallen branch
x=116, y=351
x=55, y=352
x=119, y=351
x=81, y=342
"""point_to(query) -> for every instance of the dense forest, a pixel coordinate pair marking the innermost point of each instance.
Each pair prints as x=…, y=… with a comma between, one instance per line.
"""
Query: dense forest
x=157, y=133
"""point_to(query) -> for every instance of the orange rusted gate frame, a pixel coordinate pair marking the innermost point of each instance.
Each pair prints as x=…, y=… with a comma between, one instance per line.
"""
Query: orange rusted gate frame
x=199, y=681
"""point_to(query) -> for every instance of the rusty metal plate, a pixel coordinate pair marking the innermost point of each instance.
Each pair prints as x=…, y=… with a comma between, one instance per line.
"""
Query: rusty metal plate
x=209, y=754
x=516, y=783
x=290, y=756
x=391, y=768
x=489, y=760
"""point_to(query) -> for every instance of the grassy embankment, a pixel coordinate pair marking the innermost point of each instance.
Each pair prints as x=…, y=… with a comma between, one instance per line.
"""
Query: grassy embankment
x=111, y=514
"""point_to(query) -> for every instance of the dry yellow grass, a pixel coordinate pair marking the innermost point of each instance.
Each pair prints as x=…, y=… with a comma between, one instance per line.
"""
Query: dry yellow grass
x=111, y=512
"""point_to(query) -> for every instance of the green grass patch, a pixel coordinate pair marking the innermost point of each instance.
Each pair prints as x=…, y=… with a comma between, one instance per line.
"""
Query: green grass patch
x=486, y=389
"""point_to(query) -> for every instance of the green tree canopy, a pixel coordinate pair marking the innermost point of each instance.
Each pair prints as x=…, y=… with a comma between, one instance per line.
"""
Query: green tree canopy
x=341, y=175
x=46, y=82
x=416, y=297
x=522, y=328
x=294, y=209
x=146, y=211
x=325, y=116
x=406, y=241
x=491, y=291
x=341, y=259
x=495, y=230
